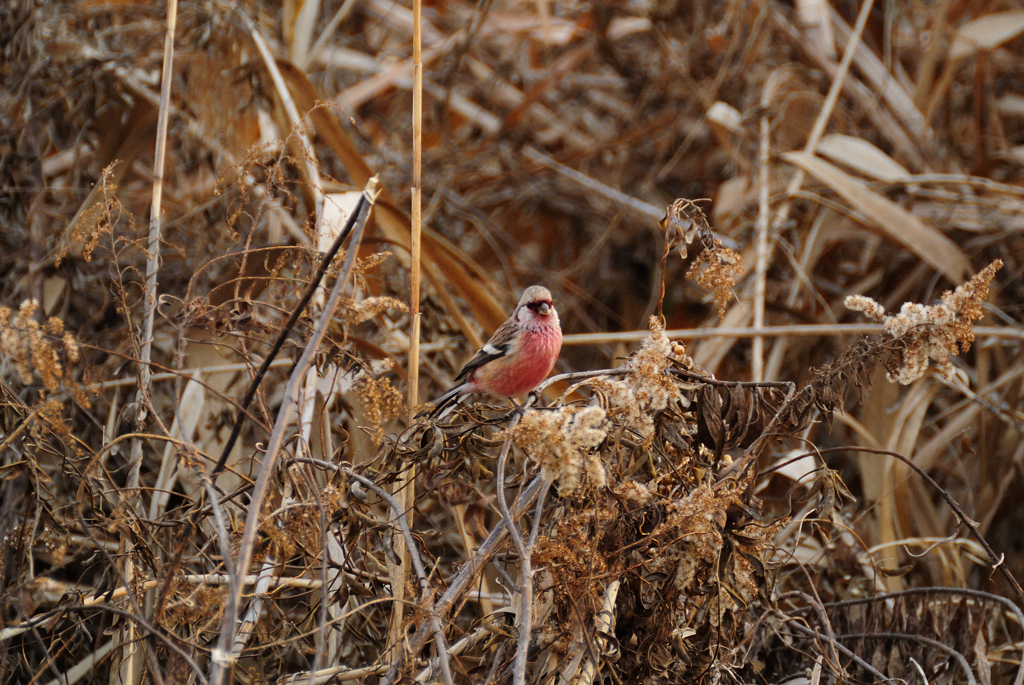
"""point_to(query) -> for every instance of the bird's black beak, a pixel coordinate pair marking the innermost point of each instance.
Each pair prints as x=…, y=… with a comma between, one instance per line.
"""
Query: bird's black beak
x=544, y=309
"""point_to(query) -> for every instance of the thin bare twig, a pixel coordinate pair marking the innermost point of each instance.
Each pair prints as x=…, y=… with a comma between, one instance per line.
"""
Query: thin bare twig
x=459, y=647
x=525, y=564
x=604, y=622
x=934, y=644
x=312, y=174
x=806, y=630
x=83, y=667
x=336, y=674
x=997, y=560
x=466, y=575
x=309, y=165
x=414, y=555
x=223, y=655
x=270, y=360
x=151, y=630
x=127, y=670
x=964, y=592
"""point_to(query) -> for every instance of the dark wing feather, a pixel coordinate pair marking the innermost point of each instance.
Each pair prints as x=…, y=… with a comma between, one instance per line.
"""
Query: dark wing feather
x=442, y=403
x=497, y=347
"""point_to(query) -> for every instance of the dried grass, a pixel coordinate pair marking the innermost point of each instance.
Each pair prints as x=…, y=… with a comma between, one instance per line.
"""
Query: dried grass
x=698, y=526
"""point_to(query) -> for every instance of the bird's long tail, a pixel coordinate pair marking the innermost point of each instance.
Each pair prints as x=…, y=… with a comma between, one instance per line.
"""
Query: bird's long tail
x=444, y=404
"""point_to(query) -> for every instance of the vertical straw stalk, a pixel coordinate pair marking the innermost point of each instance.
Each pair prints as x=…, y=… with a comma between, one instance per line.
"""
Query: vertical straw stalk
x=405, y=486
x=417, y=206
x=131, y=667
x=761, y=269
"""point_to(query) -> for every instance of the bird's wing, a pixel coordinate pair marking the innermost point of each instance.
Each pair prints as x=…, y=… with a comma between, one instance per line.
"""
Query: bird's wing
x=500, y=345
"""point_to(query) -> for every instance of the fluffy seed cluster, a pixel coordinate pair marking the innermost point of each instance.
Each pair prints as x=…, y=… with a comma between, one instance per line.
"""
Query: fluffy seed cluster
x=932, y=332
x=366, y=309
x=381, y=402
x=638, y=397
x=563, y=440
x=34, y=348
x=717, y=269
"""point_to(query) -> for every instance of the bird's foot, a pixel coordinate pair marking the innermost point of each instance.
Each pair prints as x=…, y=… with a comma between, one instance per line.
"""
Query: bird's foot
x=535, y=403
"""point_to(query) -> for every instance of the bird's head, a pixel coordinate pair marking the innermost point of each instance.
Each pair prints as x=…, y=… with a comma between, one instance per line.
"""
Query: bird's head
x=535, y=305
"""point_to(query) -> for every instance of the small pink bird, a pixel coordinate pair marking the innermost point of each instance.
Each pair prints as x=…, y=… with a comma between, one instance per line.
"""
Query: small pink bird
x=519, y=355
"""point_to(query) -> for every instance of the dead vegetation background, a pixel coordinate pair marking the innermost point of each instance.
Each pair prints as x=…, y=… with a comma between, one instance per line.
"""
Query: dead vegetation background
x=801, y=518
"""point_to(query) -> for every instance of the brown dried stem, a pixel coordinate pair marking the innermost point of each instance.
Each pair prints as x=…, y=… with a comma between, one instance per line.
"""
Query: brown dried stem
x=525, y=564
x=465, y=577
x=401, y=519
x=223, y=655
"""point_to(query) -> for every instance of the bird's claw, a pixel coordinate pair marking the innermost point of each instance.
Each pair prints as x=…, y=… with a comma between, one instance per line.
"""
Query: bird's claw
x=535, y=404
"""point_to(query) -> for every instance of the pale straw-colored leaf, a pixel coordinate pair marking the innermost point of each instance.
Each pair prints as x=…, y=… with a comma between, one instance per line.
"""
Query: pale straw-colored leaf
x=1011, y=105
x=725, y=115
x=305, y=22
x=985, y=33
x=338, y=207
x=54, y=288
x=621, y=27
x=814, y=19
x=896, y=222
x=860, y=155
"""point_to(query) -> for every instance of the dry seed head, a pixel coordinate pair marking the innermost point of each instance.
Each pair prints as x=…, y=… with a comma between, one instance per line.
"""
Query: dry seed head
x=381, y=402
x=649, y=389
x=30, y=346
x=71, y=346
x=866, y=306
x=633, y=493
x=716, y=269
x=50, y=419
x=369, y=263
x=358, y=312
x=932, y=332
x=562, y=440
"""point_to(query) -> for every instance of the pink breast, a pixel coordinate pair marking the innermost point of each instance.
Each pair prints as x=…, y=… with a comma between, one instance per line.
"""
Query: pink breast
x=525, y=370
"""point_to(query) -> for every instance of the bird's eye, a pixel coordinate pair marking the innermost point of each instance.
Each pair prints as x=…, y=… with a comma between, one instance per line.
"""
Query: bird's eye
x=534, y=306
x=539, y=307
